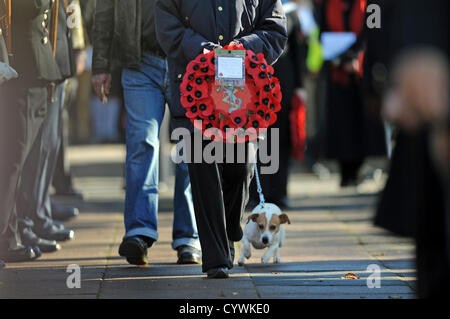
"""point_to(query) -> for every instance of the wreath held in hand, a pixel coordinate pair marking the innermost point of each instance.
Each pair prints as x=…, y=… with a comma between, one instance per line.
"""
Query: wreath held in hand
x=231, y=113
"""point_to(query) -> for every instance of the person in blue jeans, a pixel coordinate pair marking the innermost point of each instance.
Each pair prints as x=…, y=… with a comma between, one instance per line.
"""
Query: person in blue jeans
x=129, y=26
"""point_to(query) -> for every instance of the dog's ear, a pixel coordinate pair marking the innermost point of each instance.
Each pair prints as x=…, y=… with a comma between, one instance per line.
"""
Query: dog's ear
x=252, y=217
x=284, y=219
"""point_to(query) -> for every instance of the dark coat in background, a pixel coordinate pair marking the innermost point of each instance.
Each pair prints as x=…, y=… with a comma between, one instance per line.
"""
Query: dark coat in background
x=185, y=28
x=413, y=201
x=351, y=131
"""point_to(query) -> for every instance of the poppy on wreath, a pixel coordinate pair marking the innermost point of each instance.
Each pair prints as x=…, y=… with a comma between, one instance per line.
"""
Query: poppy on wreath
x=244, y=120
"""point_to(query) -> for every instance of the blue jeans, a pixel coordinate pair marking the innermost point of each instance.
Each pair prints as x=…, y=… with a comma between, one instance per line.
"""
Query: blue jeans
x=145, y=92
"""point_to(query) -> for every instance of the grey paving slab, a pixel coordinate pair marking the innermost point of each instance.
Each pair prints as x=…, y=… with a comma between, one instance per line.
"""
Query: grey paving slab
x=331, y=234
x=341, y=296
x=314, y=266
x=47, y=282
x=216, y=293
x=322, y=281
x=285, y=291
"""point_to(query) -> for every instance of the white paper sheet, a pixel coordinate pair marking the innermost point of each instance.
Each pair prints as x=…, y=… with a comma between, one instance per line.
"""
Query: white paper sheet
x=230, y=67
x=336, y=43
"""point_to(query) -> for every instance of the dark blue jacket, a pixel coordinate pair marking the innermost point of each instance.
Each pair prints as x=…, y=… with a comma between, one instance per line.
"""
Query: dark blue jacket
x=185, y=27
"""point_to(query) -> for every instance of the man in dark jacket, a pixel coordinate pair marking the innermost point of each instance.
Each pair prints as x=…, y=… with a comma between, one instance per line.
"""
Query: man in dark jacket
x=23, y=107
x=185, y=29
x=128, y=26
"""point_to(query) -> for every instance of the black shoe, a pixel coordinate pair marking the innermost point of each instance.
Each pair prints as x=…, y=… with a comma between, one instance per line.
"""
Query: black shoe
x=188, y=255
x=2, y=264
x=55, y=232
x=21, y=254
x=134, y=249
x=63, y=212
x=218, y=273
x=30, y=239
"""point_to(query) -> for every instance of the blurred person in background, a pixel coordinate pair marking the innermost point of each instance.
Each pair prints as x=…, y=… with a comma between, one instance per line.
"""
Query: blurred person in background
x=80, y=19
x=408, y=79
x=290, y=71
x=127, y=27
x=351, y=131
x=314, y=84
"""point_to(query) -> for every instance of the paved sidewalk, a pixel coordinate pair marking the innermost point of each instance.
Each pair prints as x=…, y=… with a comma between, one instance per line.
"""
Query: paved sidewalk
x=331, y=235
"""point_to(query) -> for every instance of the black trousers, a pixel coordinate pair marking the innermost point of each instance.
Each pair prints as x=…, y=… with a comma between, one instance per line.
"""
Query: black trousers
x=22, y=112
x=220, y=193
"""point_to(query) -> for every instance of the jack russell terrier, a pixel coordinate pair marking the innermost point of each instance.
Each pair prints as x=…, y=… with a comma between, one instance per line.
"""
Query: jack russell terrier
x=264, y=229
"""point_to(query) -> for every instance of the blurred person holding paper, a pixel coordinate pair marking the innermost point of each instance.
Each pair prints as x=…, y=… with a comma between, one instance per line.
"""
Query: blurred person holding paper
x=352, y=132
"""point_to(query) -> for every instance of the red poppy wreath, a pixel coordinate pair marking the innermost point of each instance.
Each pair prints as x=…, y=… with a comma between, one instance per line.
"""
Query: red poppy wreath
x=231, y=113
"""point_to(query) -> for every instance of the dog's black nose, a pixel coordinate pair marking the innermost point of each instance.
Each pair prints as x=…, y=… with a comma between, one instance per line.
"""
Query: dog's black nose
x=265, y=240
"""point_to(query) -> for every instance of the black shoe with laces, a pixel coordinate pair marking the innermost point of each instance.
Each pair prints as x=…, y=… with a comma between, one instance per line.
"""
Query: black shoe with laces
x=134, y=249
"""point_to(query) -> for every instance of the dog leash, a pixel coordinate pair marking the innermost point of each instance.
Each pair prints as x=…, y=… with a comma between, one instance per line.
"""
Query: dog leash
x=258, y=186
x=258, y=182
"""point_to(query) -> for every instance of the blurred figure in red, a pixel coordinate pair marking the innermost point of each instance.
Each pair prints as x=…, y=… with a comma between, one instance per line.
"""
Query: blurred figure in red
x=351, y=132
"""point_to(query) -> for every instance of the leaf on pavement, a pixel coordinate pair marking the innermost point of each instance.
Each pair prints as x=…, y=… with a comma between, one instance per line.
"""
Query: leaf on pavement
x=350, y=275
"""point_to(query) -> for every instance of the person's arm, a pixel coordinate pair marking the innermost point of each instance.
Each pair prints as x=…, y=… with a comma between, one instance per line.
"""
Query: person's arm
x=177, y=41
x=102, y=42
x=270, y=35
